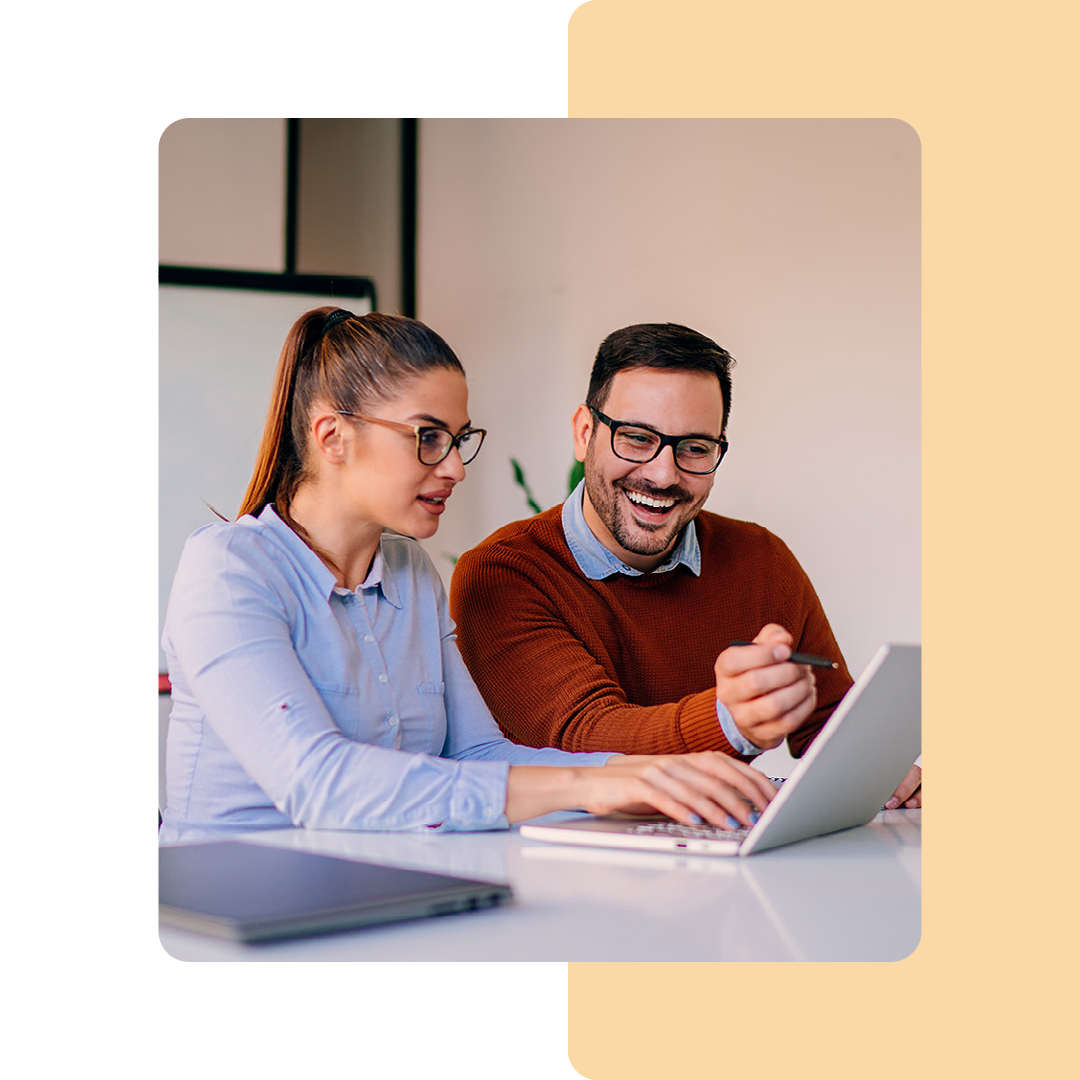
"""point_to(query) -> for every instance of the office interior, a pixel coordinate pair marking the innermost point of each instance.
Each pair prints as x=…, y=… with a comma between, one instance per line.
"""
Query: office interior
x=793, y=243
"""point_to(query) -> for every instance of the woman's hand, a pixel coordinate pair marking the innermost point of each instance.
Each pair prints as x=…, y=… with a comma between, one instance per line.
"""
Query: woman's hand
x=710, y=785
x=692, y=788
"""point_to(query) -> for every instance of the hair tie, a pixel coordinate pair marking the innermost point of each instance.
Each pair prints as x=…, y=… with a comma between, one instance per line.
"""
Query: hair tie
x=333, y=319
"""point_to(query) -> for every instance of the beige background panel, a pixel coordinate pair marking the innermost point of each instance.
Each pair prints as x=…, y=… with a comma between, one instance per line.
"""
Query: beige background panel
x=988, y=98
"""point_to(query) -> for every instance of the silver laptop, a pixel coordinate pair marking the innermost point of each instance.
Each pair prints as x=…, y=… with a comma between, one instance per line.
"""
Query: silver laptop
x=255, y=892
x=842, y=780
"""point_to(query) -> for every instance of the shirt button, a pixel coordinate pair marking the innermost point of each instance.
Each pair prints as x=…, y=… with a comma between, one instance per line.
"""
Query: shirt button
x=368, y=638
x=382, y=677
x=393, y=721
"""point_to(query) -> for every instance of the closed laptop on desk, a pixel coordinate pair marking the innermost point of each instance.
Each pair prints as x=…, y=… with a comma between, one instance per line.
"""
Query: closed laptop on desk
x=849, y=770
x=255, y=892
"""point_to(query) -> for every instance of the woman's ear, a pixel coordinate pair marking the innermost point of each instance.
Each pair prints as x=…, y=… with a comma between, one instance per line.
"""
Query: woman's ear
x=328, y=437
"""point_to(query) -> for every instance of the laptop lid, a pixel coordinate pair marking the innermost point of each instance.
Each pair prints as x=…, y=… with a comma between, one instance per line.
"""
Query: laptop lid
x=842, y=780
x=857, y=759
x=254, y=892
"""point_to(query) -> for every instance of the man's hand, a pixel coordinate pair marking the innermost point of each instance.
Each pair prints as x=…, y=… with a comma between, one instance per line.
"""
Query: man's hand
x=908, y=792
x=768, y=698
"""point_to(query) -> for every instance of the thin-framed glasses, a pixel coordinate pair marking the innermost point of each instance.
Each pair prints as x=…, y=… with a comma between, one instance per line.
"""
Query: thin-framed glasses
x=693, y=453
x=432, y=443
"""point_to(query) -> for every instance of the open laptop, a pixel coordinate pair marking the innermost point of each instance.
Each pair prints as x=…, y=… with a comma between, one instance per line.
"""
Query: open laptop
x=255, y=892
x=842, y=780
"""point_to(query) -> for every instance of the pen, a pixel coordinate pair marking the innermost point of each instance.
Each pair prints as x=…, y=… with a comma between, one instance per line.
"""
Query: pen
x=800, y=658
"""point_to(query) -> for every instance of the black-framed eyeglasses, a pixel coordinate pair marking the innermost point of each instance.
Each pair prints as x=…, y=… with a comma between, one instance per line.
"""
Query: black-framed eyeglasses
x=432, y=444
x=634, y=442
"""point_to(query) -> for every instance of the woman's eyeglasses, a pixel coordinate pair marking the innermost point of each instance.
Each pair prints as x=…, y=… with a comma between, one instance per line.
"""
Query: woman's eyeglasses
x=432, y=444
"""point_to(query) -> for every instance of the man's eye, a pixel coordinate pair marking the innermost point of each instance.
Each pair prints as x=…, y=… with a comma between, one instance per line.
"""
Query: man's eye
x=637, y=438
x=695, y=449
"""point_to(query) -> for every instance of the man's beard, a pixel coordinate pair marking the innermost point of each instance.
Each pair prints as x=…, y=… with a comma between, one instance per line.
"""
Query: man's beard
x=640, y=538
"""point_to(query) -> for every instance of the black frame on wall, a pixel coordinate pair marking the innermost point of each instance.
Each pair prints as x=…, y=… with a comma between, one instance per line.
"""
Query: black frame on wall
x=337, y=285
x=343, y=285
x=407, y=227
x=409, y=154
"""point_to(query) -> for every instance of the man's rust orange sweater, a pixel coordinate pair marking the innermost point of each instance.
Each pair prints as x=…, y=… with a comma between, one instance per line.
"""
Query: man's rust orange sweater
x=626, y=664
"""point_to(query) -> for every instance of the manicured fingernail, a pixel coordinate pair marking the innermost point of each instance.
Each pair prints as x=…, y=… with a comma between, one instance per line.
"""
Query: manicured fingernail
x=892, y=804
x=696, y=819
x=755, y=817
x=733, y=824
x=779, y=653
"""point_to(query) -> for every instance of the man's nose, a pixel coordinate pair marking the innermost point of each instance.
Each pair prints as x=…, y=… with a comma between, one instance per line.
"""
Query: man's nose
x=662, y=470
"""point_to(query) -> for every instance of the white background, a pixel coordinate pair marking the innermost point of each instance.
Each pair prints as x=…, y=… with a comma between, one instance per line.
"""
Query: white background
x=92, y=91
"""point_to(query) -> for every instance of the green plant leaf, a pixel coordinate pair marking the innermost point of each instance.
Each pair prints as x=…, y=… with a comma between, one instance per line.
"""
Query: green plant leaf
x=519, y=479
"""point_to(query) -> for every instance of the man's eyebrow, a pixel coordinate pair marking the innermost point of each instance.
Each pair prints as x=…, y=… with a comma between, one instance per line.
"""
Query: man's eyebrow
x=434, y=421
x=657, y=431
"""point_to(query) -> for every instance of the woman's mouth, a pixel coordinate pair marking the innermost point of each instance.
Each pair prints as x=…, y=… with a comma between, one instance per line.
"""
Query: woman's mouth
x=434, y=503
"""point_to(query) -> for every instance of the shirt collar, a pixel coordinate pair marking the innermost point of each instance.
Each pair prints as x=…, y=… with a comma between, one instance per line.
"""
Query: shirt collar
x=378, y=577
x=596, y=562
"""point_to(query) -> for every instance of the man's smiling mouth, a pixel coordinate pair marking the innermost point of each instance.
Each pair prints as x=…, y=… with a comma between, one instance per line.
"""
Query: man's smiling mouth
x=649, y=502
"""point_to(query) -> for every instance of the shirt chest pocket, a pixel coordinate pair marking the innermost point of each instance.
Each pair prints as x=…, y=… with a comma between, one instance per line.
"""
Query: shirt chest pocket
x=425, y=732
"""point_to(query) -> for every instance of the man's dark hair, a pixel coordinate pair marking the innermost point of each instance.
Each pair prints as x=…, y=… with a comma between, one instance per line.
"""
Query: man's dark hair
x=658, y=345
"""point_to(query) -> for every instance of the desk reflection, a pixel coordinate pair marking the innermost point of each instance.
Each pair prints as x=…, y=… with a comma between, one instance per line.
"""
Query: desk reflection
x=850, y=896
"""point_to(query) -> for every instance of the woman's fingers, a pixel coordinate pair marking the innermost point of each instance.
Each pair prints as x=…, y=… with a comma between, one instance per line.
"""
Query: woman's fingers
x=695, y=786
x=753, y=785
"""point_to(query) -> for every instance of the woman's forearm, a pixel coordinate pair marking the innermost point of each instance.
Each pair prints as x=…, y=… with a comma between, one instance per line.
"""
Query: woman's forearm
x=532, y=790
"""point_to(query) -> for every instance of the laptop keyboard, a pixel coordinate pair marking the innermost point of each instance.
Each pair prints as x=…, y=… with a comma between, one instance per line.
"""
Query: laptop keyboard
x=695, y=832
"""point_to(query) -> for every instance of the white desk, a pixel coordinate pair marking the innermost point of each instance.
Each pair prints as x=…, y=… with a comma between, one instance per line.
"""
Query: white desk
x=854, y=895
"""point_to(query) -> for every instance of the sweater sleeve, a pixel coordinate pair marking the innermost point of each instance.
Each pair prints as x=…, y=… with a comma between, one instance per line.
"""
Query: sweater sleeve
x=534, y=659
x=472, y=735
x=803, y=614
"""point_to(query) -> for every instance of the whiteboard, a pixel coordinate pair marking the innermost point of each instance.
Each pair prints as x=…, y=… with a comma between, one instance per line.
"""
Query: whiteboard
x=218, y=348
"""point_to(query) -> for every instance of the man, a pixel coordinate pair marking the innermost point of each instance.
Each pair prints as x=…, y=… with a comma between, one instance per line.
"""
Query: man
x=607, y=623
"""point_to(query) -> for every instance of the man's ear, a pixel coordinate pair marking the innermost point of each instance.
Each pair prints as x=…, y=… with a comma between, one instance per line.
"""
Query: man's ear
x=582, y=424
x=328, y=437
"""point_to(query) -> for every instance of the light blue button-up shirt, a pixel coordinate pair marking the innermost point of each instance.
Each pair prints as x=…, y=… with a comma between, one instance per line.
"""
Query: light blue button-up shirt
x=296, y=702
x=596, y=562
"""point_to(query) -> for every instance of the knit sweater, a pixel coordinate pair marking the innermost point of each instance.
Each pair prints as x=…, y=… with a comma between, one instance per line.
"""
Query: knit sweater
x=626, y=664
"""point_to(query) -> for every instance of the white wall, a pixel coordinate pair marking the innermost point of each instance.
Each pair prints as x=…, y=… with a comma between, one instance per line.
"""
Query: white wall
x=221, y=189
x=793, y=243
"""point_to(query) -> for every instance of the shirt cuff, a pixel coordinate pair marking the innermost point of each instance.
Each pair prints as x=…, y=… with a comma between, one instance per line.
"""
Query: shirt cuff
x=739, y=742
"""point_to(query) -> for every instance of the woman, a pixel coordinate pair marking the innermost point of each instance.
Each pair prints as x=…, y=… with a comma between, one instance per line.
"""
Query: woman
x=315, y=673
